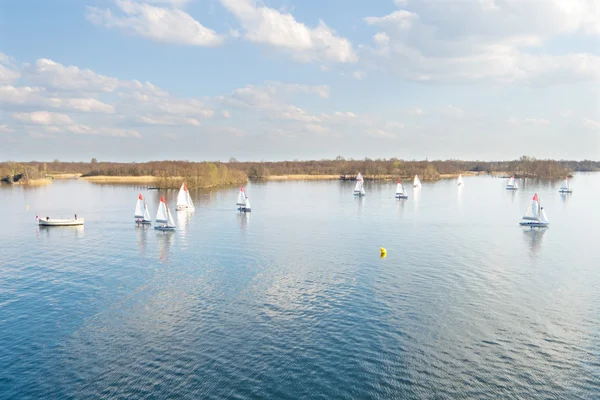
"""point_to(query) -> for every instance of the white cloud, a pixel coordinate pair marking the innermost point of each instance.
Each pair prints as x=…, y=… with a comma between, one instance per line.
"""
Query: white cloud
x=57, y=123
x=8, y=75
x=168, y=120
x=6, y=129
x=316, y=128
x=282, y=30
x=43, y=118
x=416, y=111
x=40, y=98
x=452, y=111
x=51, y=74
x=484, y=41
x=174, y=3
x=170, y=25
x=272, y=100
x=591, y=124
x=528, y=121
x=379, y=133
x=359, y=75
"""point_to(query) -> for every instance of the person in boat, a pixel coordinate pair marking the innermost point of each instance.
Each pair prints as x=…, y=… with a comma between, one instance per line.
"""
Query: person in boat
x=47, y=218
x=75, y=216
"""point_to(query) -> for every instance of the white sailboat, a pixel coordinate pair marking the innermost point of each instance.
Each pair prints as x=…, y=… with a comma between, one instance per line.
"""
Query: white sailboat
x=359, y=188
x=460, y=180
x=535, y=216
x=566, y=188
x=512, y=184
x=241, y=200
x=417, y=182
x=141, y=215
x=400, y=191
x=184, y=200
x=163, y=217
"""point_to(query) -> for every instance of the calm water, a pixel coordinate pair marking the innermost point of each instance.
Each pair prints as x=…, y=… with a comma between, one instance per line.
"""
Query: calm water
x=293, y=300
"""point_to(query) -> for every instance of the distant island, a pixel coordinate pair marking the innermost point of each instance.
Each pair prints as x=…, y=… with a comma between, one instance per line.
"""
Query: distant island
x=202, y=175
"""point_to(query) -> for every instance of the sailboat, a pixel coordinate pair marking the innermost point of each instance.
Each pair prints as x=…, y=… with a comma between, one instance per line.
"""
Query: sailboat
x=400, y=191
x=512, y=184
x=243, y=203
x=535, y=216
x=566, y=188
x=417, y=182
x=142, y=216
x=163, y=217
x=460, y=180
x=359, y=188
x=184, y=200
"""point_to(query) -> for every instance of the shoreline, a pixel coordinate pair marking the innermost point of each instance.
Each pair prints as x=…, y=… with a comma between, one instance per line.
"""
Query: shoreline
x=324, y=177
x=122, y=179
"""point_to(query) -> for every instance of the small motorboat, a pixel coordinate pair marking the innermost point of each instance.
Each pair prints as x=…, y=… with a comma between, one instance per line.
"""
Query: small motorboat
x=60, y=222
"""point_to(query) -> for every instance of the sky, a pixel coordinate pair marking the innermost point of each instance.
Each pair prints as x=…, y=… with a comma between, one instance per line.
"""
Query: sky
x=139, y=80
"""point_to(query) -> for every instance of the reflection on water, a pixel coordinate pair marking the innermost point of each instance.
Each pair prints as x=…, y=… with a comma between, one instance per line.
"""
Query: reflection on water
x=534, y=238
x=359, y=204
x=243, y=220
x=142, y=236
x=61, y=231
x=183, y=221
x=460, y=189
x=565, y=198
x=164, y=240
x=416, y=197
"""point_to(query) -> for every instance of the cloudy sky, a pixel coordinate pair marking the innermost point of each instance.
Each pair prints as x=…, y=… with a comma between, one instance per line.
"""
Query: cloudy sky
x=135, y=80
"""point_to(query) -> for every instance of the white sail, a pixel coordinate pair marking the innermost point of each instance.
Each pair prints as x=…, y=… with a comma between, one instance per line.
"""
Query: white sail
x=182, y=197
x=460, y=179
x=417, y=181
x=359, y=189
x=146, y=213
x=161, y=213
x=399, y=188
x=139, y=208
x=247, y=204
x=241, y=201
x=533, y=210
x=565, y=188
x=543, y=218
x=170, y=218
x=190, y=203
x=512, y=183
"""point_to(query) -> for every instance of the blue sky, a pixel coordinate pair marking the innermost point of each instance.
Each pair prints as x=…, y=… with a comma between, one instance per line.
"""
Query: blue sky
x=286, y=79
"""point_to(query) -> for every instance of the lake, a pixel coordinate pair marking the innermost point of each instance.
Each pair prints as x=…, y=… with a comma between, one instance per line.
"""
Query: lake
x=293, y=300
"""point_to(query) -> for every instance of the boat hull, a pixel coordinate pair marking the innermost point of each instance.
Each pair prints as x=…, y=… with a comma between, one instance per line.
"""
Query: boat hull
x=359, y=194
x=60, y=222
x=164, y=228
x=565, y=191
x=512, y=188
x=244, y=209
x=401, y=197
x=535, y=224
x=143, y=222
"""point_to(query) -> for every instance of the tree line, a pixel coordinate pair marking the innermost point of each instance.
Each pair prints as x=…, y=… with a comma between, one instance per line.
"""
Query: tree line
x=427, y=170
x=207, y=174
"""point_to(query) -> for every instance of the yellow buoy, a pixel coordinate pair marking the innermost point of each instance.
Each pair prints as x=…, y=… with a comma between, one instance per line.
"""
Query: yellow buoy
x=27, y=207
x=383, y=252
